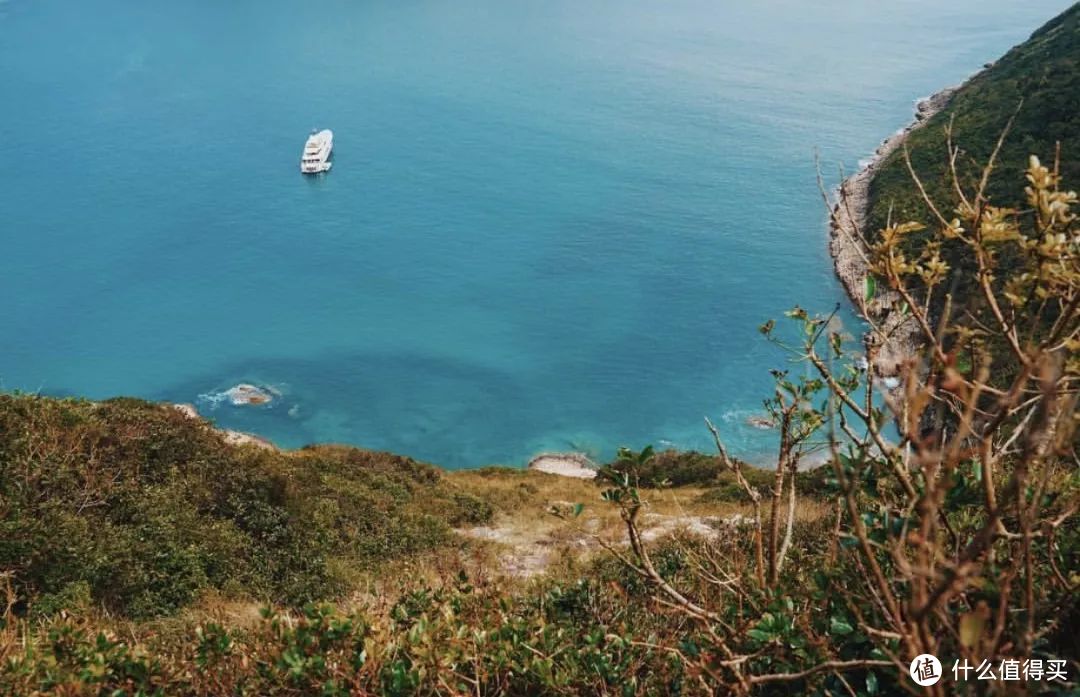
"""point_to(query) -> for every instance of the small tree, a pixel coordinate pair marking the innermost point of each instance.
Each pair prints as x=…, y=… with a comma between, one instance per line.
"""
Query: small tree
x=954, y=537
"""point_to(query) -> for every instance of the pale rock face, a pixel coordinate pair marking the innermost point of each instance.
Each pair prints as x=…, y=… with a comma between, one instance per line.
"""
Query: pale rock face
x=232, y=437
x=564, y=464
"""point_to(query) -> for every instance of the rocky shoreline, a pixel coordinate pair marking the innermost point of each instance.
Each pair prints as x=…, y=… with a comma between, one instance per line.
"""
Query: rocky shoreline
x=570, y=464
x=848, y=223
x=231, y=437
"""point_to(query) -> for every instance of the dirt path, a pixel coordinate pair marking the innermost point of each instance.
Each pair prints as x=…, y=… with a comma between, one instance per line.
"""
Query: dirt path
x=525, y=551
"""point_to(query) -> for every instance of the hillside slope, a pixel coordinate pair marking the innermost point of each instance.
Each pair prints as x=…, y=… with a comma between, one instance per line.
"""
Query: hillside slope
x=139, y=508
x=1039, y=81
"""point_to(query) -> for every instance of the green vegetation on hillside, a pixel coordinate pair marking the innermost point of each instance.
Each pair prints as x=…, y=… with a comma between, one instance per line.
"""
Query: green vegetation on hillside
x=1026, y=104
x=138, y=508
x=136, y=542
x=1038, y=83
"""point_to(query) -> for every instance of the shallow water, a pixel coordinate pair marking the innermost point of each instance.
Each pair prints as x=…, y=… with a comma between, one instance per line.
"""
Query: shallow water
x=549, y=225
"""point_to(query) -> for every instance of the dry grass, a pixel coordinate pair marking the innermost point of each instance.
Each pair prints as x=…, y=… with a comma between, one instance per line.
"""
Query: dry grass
x=524, y=538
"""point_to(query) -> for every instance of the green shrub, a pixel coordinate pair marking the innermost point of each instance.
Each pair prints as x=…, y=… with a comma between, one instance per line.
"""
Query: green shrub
x=473, y=510
x=674, y=468
x=143, y=509
x=73, y=596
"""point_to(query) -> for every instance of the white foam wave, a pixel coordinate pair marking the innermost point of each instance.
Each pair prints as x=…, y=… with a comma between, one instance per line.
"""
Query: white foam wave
x=212, y=400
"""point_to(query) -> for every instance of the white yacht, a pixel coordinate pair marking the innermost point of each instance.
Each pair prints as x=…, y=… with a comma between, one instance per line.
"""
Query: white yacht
x=316, y=157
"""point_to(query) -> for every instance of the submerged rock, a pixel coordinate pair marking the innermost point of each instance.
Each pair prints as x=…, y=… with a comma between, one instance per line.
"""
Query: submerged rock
x=248, y=395
x=243, y=394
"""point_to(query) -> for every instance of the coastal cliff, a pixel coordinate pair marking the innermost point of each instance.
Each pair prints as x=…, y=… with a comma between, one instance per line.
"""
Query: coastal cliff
x=848, y=238
x=1029, y=94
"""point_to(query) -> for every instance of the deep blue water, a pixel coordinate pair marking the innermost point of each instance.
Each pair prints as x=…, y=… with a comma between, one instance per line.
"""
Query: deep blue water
x=550, y=225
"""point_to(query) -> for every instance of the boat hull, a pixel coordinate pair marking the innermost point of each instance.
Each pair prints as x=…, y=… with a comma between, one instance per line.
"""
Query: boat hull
x=317, y=150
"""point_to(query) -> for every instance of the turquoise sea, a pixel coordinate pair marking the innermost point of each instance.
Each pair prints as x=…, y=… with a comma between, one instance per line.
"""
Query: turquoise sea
x=550, y=225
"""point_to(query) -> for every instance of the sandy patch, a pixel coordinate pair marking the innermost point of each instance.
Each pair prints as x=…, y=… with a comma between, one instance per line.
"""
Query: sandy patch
x=564, y=464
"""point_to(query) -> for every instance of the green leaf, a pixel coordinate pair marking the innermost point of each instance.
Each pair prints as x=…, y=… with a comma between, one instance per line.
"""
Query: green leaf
x=839, y=626
x=578, y=508
x=871, y=683
x=870, y=284
x=758, y=635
